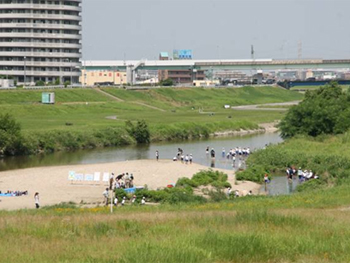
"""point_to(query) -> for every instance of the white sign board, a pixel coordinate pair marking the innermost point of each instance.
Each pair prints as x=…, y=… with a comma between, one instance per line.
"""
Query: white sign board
x=97, y=176
x=105, y=177
x=89, y=177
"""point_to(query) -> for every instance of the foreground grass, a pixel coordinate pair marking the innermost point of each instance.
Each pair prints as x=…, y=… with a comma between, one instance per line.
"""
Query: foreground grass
x=307, y=227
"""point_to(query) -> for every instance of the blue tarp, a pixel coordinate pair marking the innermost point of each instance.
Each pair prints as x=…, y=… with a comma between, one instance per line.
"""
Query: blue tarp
x=6, y=195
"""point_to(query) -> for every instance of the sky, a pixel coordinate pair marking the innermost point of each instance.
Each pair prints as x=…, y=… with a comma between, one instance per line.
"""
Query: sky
x=216, y=29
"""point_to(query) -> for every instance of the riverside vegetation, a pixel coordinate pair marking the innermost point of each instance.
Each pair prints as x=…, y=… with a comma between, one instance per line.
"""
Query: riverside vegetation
x=318, y=140
x=88, y=118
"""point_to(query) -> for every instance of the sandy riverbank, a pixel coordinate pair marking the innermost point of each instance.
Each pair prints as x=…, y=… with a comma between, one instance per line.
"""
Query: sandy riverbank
x=54, y=188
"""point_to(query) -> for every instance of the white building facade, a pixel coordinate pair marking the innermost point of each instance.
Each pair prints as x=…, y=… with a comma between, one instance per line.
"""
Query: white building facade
x=40, y=40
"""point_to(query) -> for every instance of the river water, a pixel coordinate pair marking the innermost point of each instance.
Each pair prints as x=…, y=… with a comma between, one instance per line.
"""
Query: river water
x=167, y=150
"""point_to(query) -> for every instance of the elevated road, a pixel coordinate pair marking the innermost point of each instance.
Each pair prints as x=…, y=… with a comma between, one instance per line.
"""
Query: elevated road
x=244, y=64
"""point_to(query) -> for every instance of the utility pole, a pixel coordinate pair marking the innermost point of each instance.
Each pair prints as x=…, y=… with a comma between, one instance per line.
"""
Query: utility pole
x=300, y=50
x=25, y=73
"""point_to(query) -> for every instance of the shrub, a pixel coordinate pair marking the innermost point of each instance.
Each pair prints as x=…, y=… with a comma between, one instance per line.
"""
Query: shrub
x=254, y=173
x=314, y=184
x=140, y=132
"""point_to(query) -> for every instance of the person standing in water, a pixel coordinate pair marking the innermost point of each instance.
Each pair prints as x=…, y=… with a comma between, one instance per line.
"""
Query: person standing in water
x=157, y=155
x=36, y=198
x=212, y=153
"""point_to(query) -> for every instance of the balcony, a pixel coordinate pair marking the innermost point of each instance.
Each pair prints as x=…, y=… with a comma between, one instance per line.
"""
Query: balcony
x=40, y=16
x=32, y=73
x=39, y=45
x=39, y=54
x=39, y=35
x=41, y=26
x=40, y=64
x=42, y=7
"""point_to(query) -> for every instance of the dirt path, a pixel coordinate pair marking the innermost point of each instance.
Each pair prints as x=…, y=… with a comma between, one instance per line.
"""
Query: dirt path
x=109, y=95
x=148, y=106
x=256, y=107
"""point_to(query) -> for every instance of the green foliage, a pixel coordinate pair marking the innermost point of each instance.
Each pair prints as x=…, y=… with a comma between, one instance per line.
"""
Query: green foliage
x=323, y=111
x=57, y=81
x=204, y=178
x=327, y=156
x=40, y=83
x=67, y=83
x=311, y=185
x=120, y=193
x=217, y=195
x=166, y=82
x=10, y=135
x=173, y=195
x=140, y=132
x=254, y=173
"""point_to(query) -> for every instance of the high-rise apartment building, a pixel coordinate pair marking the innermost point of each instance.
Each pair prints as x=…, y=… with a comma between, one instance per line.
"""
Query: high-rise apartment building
x=40, y=40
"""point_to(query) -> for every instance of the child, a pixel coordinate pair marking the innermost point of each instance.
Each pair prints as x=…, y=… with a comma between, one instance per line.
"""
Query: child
x=143, y=201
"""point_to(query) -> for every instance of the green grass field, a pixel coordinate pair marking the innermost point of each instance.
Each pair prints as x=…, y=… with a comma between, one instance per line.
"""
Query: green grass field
x=88, y=109
x=306, y=227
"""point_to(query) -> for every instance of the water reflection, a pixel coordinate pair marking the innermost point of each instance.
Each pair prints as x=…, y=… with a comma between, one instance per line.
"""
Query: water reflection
x=280, y=185
x=167, y=150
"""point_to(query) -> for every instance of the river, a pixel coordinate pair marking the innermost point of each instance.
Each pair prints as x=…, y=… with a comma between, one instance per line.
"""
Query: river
x=167, y=150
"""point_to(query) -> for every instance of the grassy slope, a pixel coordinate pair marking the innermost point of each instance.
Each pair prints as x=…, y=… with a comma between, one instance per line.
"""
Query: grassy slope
x=345, y=87
x=307, y=227
x=208, y=98
x=34, y=116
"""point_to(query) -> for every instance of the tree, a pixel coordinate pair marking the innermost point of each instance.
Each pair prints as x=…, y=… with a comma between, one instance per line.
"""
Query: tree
x=167, y=82
x=10, y=135
x=323, y=111
x=140, y=132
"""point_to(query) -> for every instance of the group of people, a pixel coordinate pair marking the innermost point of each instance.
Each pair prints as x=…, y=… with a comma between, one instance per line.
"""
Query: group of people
x=132, y=201
x=123, y=181
x=305, y=175
x=184, y=158
x=15, y=193
x=236, y=193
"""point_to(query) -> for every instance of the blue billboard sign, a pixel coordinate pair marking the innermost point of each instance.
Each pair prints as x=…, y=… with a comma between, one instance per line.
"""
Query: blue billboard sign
x=182, y=54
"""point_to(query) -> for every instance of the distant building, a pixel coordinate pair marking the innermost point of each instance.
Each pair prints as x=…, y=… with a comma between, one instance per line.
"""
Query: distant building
x=92, y=77
x=206, y=83
x=181, y=76
x=229, y=74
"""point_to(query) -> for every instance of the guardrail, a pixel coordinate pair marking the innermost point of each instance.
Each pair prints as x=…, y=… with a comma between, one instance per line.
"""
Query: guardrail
x=55, y=87
x=7, y=88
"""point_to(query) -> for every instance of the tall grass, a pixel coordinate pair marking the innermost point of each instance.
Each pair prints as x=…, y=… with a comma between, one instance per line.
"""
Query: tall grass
x=328, y=156
x=192, y=233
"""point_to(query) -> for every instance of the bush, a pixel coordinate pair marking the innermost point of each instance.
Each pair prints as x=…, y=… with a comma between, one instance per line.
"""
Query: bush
x=314, y=184
x=10, y=135
x=217, y=195
x=166, y=82
x=120, y=193
x=140, y=132
x=210, y=177
x=40, y=83
x=254, y=173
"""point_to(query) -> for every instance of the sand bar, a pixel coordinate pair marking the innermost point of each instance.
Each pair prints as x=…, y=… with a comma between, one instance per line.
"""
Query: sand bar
x=54, y=187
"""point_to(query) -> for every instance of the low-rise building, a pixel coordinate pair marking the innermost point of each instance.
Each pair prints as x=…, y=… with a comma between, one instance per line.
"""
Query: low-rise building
x=92, y=77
